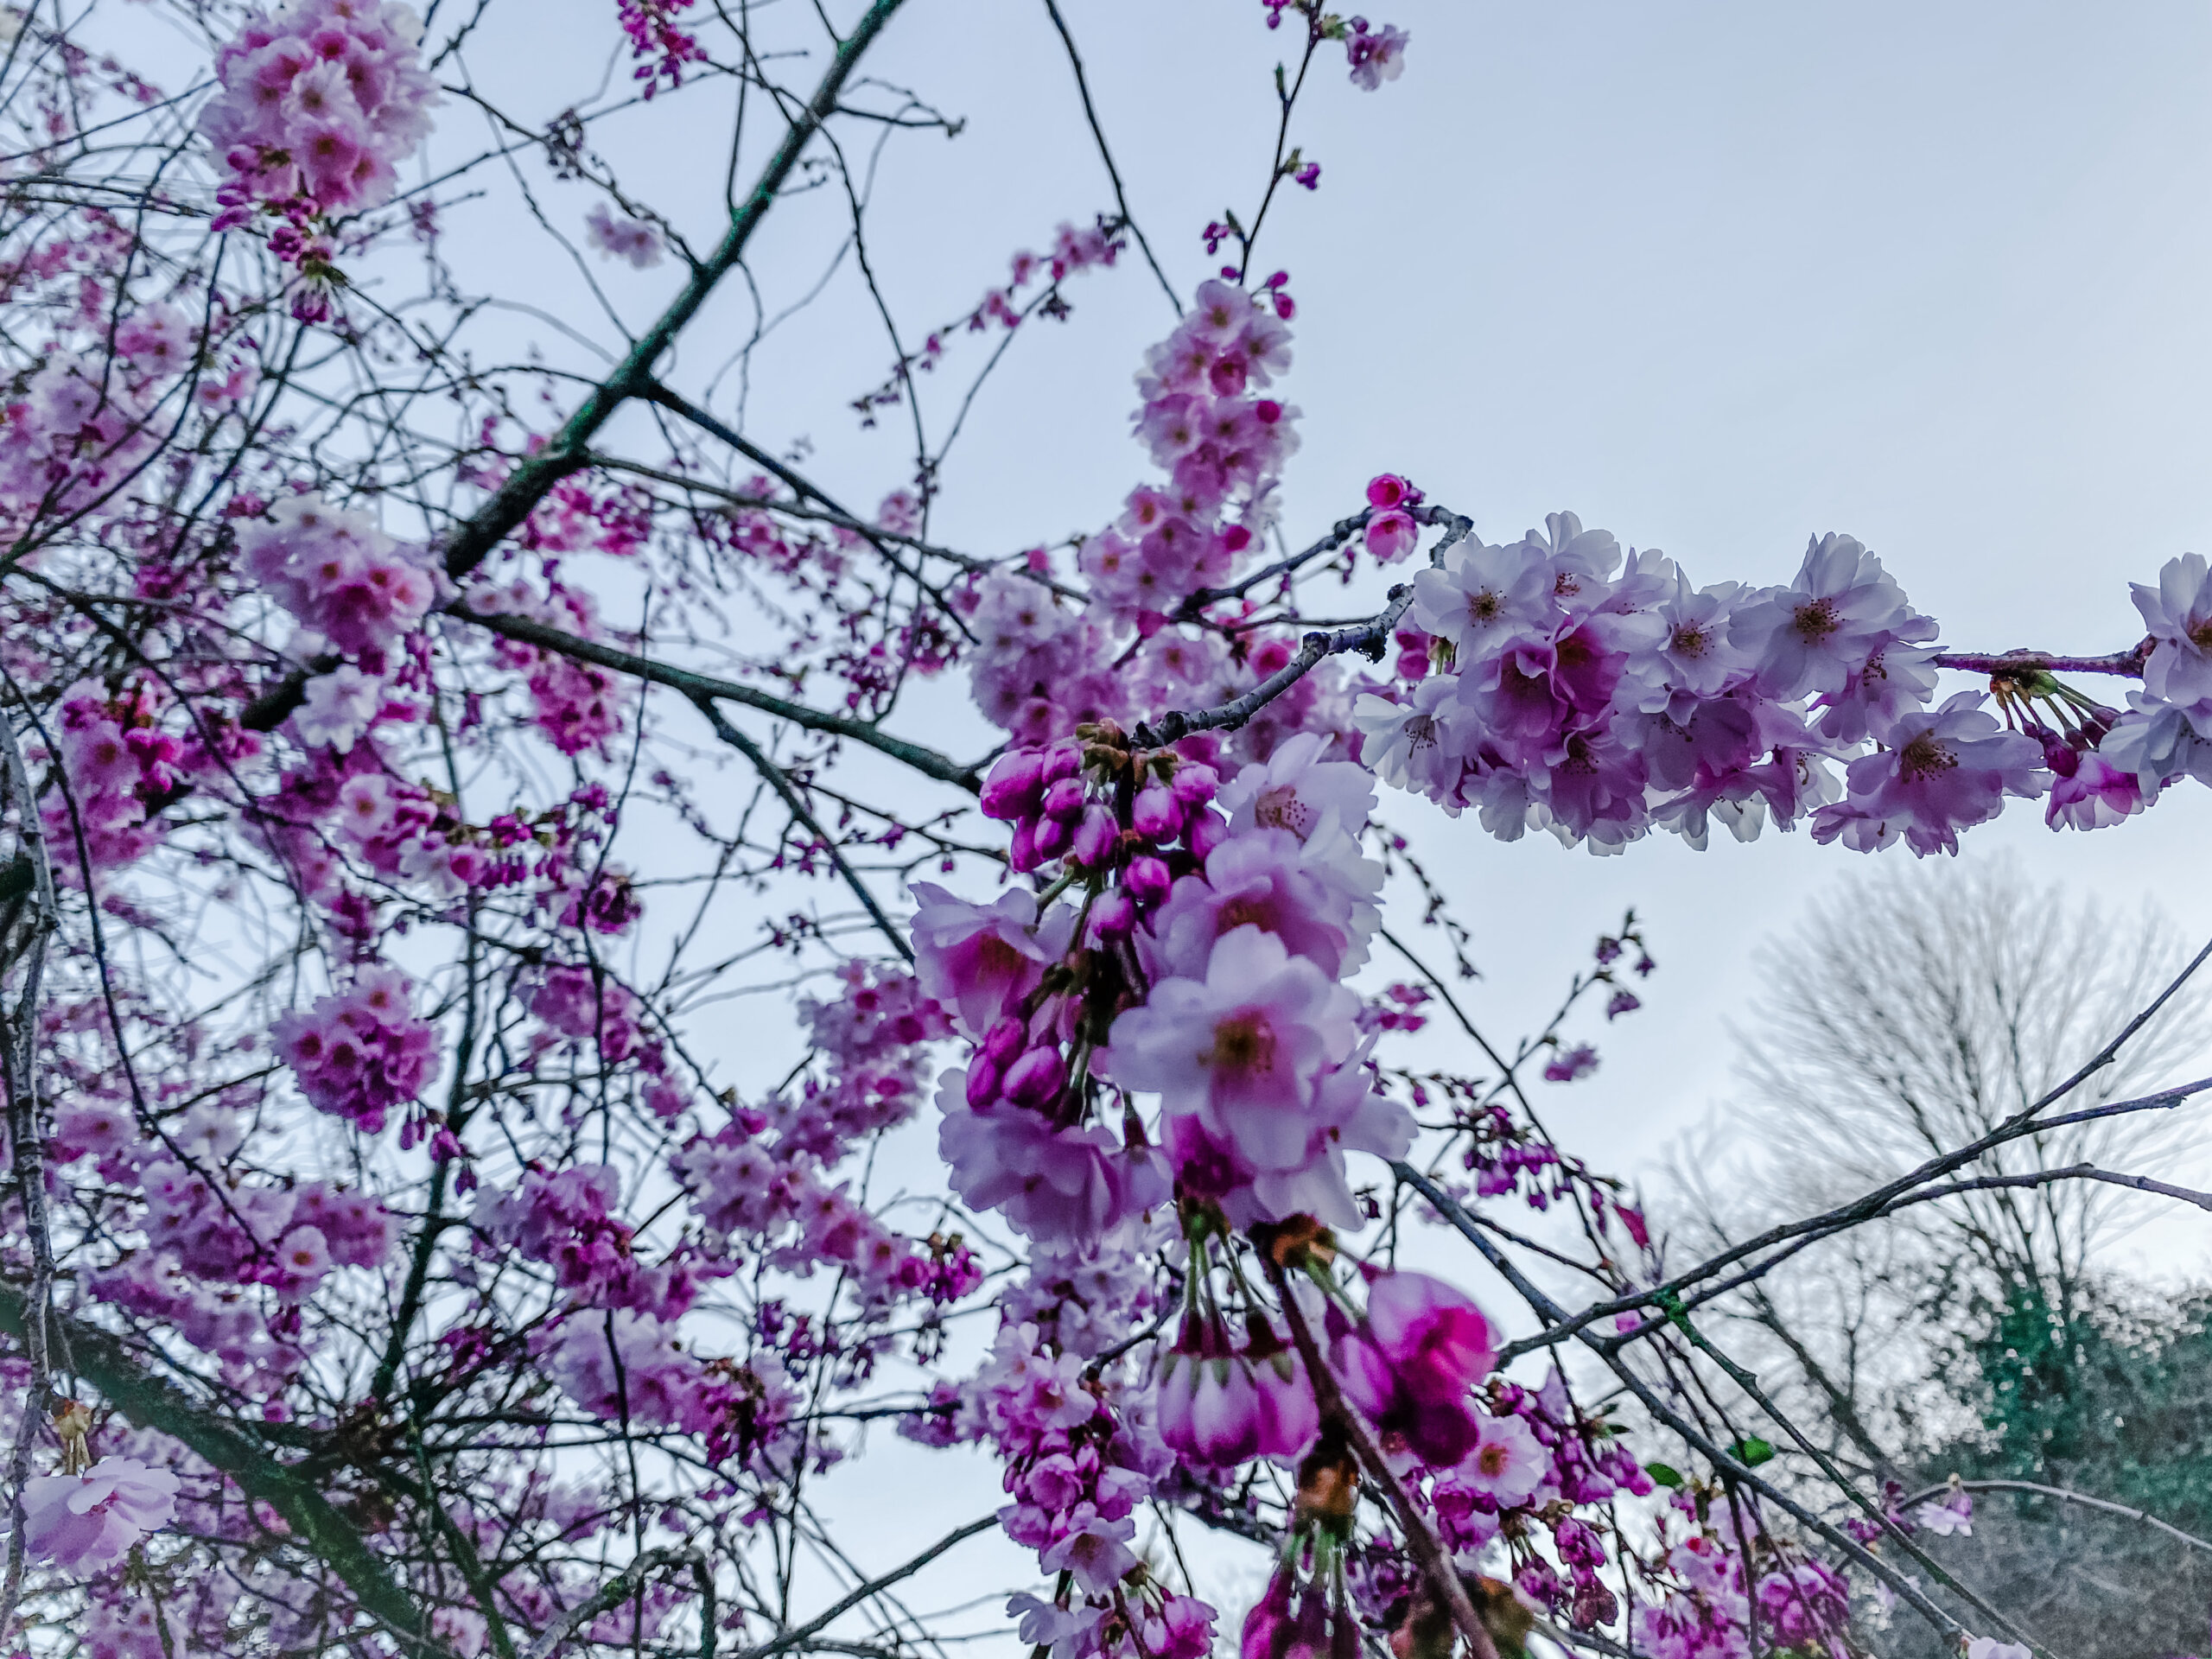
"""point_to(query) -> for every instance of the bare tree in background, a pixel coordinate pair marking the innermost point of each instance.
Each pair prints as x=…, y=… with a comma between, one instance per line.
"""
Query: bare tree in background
x=1911, y=1012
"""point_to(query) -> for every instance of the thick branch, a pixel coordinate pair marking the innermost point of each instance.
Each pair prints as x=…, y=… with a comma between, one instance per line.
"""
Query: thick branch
x=527, y=485
x=2006, y=664
x=102, y=1359
x=621, y=1587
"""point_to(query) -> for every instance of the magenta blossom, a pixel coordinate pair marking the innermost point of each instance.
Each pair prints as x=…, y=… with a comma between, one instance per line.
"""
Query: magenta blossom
x=85, y=1523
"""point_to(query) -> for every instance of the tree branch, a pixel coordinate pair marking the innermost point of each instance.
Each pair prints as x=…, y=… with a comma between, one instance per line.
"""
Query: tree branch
x=103, y=1360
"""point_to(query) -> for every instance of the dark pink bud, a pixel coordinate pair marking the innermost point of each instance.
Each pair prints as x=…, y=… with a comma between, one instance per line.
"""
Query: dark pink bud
x=1094, y=840
x=1021, y=854
x=1195, y=785
x=1062, y=761
x=1035, y=1078
x=1386, y=490
x=1052, y=838
x=1113, y=915
x=1147, y=881
x=1156, y=815
x=1005, y=1040
x=1208, y=830
x=1064, y=800
x=982, y=1082
x=1015, y=785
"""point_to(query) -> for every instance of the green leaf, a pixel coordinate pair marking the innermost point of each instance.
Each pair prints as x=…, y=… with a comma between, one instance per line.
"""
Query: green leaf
x=1752, y=1453
x=1663, y=1474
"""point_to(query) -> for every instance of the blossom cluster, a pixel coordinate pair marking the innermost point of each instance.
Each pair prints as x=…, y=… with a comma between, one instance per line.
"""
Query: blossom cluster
x=321, y=101
x=1599, y=696
x=360, y=1052
x=353, y=588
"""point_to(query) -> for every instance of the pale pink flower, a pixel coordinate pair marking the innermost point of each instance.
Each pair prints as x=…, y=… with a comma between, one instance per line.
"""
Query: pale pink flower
x=979, y=960
x=1296, y=790
x=1244, y=1048
x=1509, y=1464
x=85, y=1523
x=623, y=237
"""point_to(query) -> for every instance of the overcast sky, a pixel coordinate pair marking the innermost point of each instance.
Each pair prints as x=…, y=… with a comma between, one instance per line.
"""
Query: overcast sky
x=1717, y=277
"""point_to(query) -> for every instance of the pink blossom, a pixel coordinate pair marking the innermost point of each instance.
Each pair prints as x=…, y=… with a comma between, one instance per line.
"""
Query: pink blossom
x=979, y=961
x=1508, y=1464
x=1295, y=789
x=86, y=1523
x=624, y=238
x=2178, y=613
x=1243, y=1049
x=1942, y=770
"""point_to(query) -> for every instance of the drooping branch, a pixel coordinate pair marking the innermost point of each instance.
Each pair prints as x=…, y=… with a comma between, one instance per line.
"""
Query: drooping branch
x=2102, y=1505
x=1436, y=1563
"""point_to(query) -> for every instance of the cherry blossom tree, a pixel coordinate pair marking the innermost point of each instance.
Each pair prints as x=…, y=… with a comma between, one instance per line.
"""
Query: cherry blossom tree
x=394, y=1265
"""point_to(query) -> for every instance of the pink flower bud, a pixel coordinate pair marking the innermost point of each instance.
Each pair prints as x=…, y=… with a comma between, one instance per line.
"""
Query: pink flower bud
x=1156, y=815
x=1208, y=830
x=1062, y=761
x=1147, y=881
x=1052, y=838
x=1035, y=1078
x=1386, y=490
x=1021, y=854
x=1007, y=1038
x=982, y=1082
x=1391, y=535
x=1064, y=800
x=1095, y=838
x=1113, y=915
x=1015, y=785
x=1195, y=783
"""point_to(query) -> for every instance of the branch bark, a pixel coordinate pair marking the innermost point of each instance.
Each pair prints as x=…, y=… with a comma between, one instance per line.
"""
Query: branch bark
x=102, y=1359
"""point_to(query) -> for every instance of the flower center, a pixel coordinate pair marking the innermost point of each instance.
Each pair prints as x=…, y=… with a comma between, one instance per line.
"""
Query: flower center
x=1924, y=757
x=1815, y=620
x=1247, y=913
x=1690, y=640
x=1280, y=809
x=1244, y=1042
x=1491, y=1460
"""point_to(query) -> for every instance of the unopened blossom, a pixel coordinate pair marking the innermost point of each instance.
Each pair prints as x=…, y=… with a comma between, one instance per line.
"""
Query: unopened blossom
x=86, y=1523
